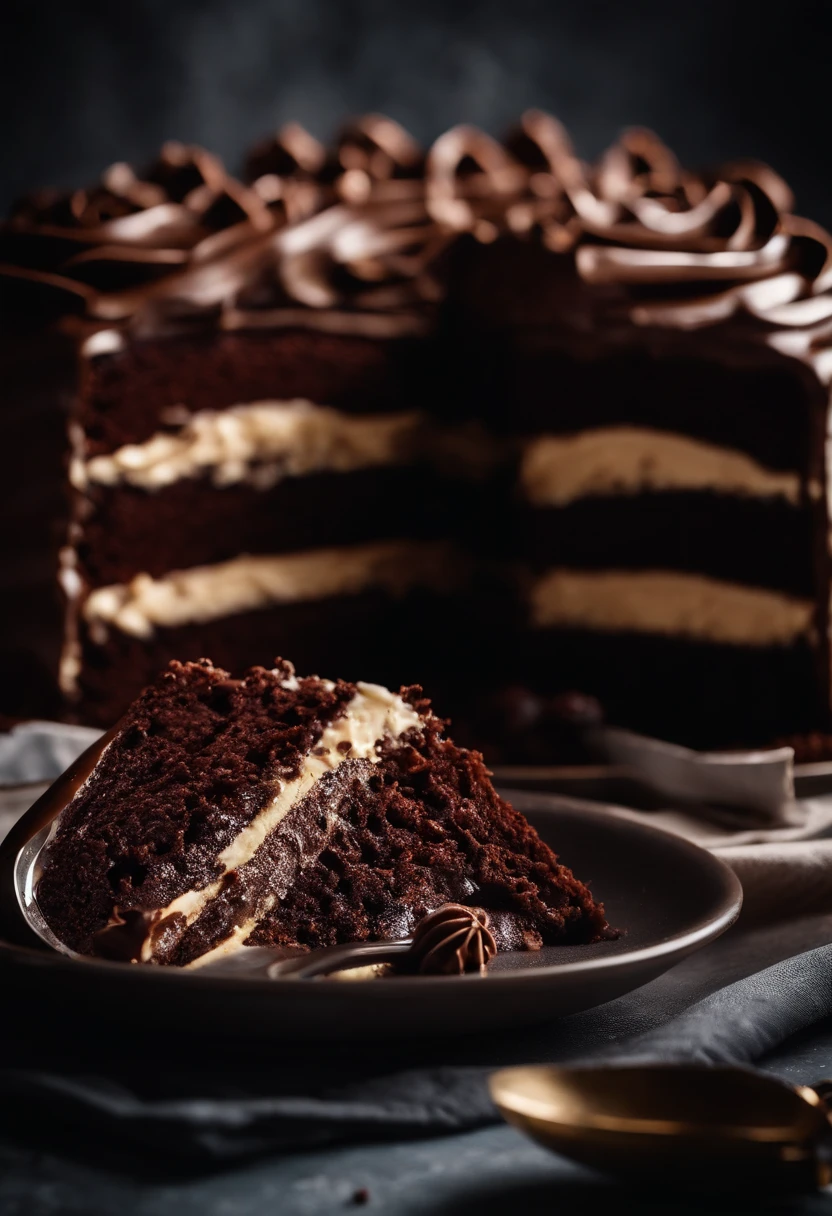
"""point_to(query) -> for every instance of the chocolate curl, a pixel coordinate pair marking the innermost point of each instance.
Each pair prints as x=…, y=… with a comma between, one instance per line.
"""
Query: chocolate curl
x=131, y=241
x=377, y=160
x=568, y=202
x=376, y=257
x=717, y=245
x=290, y=153
x=468, y=177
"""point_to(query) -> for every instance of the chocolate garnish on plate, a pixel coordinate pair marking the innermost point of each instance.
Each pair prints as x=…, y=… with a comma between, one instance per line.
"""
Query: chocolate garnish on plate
x=452, y=940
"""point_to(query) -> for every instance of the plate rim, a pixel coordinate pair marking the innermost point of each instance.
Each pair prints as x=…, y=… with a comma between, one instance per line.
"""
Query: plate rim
x=679, y=943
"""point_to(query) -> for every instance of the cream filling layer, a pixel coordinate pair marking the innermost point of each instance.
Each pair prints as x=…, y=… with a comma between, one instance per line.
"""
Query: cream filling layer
x=246, y=583
x=664, y=602
x=373, y=715
x=559, y=469
x=259, y=443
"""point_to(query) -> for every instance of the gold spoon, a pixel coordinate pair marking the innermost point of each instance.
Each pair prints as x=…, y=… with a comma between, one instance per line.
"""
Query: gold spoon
x=718, y=1128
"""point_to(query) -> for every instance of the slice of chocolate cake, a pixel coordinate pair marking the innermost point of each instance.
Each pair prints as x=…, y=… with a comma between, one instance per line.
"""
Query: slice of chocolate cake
x=273, y=810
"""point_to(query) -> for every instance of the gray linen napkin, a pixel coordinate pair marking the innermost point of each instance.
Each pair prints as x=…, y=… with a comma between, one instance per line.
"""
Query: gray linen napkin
x=741, y=806
x=735, y=1001
x=361, y=1093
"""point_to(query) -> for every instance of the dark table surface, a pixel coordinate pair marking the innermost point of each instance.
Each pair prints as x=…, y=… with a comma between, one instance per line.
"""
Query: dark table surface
x=496, y=1170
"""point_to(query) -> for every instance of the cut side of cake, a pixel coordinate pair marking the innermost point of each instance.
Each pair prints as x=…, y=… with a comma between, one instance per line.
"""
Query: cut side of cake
x=274, y=810
x=375, y=407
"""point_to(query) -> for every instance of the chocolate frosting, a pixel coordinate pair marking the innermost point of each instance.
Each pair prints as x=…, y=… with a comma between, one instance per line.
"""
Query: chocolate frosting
x=452, y=940
x=111, y=251
x=372, y=156
x=122, y=938
x=354, y=236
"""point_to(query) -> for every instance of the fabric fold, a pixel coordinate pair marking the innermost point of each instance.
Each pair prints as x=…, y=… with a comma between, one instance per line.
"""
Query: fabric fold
x=738, y=1024
x=731, y=1003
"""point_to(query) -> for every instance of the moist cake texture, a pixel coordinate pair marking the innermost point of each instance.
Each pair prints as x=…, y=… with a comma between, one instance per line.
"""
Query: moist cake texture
x=294, y=812
x=377, y=406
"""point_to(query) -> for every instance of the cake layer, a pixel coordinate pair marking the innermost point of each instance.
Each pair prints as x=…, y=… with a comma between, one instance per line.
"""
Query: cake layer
x=370, y=635
x=245, y=889
x=666, y=602
x=33, y=520
x=248, y=583
x=129, y=531
x=762, y=411
x=258, y=444
x=702, y=694
x=131, y=388
x=226, y=921
x=762, y=542
x=557, y=470
x=426, y=809
x=192, y=768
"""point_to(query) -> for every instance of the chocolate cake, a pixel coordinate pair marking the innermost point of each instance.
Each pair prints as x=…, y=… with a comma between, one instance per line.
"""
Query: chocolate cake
x=378, y=407
x=277, y=811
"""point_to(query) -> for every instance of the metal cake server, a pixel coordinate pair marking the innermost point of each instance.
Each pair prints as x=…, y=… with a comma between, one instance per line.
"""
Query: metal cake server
x=275, y=964
x=25, y=875
x=20, y=917
x=715, y=1128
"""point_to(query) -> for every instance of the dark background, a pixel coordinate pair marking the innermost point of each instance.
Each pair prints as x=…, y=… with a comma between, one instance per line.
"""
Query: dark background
x=83, y=83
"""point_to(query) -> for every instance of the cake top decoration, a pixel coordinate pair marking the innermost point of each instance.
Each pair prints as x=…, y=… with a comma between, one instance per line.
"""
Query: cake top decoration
x=361, y=229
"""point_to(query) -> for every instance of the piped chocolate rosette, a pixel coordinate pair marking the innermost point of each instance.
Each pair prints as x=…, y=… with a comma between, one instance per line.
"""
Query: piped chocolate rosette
x=452, y=940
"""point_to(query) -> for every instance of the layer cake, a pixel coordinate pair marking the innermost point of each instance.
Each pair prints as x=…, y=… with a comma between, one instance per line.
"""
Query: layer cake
x=484, y=416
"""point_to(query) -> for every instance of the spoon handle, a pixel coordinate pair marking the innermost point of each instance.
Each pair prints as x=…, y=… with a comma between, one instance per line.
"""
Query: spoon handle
x=339, y=958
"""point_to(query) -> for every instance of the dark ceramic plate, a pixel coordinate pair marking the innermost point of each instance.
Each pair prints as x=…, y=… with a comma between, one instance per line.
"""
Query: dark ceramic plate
x=670, y=896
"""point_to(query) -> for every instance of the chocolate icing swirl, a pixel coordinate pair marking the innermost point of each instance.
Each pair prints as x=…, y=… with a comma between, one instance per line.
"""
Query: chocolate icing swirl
x=361, y=230
x=105, y=251
x=689, y=251
x=373, y=247
x=659, y=245
x=290, y=153
x=181, y=198
x=693, y=249
x=452, y=940
x=370, y=154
